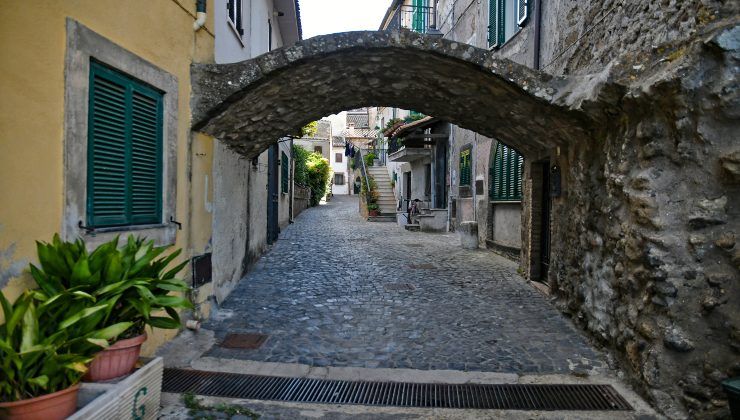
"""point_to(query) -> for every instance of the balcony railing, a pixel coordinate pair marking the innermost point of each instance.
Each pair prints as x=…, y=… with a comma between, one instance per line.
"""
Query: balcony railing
x=422, y=19
x=394, y=144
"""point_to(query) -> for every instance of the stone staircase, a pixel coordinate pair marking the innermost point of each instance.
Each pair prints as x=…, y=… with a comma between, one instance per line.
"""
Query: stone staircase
x=386, y=200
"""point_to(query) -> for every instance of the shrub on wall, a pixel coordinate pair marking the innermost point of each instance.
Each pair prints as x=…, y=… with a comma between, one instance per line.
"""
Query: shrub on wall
x=313, y=171
x=300, y=157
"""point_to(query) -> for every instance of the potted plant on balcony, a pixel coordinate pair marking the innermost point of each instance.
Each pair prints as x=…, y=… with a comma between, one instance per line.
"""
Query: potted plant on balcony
x=44, y=355
x=130, y=284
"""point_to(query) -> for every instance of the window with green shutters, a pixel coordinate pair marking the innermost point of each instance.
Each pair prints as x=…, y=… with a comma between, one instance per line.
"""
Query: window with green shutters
x=419, y=16
x=505, y=175
x=124, y=169
x=465, y=169
x=284, y=173
x=505, y=18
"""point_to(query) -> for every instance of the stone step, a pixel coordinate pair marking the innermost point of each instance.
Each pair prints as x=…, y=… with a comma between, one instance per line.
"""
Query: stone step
x=382, y=218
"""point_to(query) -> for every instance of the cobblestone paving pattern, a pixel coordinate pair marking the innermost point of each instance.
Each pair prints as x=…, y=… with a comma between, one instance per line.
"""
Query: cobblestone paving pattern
x=324, y=294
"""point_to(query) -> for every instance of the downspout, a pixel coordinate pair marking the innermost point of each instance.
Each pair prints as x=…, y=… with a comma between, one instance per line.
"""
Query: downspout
x=200, y=13
x=291, y=186
x=537, y=34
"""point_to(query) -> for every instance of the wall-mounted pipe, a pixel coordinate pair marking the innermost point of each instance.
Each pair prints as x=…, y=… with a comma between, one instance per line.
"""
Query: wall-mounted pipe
x=200, y=13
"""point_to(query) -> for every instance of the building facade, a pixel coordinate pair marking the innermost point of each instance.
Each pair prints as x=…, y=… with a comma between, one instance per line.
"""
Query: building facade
x=104, y=114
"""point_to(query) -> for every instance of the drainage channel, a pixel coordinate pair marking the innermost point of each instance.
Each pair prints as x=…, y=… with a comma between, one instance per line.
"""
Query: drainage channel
x=546, y=397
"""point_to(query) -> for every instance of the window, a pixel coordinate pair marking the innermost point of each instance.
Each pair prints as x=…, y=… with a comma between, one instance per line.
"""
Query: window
x=234, y=8
x=465, y=169
x=338, y=157
x=284, y=173
x=124, y=176
x=318, y=149
x=505, y=175
x=505, y=18
x=338, y=179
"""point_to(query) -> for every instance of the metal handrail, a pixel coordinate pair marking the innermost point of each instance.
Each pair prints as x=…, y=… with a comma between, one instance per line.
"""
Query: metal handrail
x=364, y=171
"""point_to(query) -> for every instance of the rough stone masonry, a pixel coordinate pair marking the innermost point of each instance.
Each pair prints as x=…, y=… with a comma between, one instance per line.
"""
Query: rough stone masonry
x=644, y=252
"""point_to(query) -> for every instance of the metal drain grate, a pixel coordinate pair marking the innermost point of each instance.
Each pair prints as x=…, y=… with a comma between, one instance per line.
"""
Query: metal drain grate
x=244, y=341
x=399, y=287
x=399, y=394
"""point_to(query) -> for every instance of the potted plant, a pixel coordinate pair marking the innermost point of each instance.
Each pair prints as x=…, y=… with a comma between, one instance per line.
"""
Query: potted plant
x=44, y=356
x=373, y=209
x=369, y=159
x=129, y=284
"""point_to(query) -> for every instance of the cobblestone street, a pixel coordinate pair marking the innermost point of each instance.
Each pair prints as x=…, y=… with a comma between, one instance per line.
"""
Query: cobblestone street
x=326, y=295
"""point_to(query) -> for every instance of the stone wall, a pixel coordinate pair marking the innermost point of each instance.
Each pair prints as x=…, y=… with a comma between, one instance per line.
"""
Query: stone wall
x=301, y=199
x=585, y=37
x=644, y=238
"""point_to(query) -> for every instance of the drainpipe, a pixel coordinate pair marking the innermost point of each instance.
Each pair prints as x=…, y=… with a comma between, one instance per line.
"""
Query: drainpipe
x=291, y=186
x=200, y=13
x=537, y=34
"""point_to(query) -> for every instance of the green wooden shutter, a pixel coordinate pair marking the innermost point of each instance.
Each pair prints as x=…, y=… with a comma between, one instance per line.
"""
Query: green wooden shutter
x=418, y=19
x=496, y=16
x=465, y=168
x=146, y=157
x=124, y=151
x=107, y=145
x=505, y=181
x=492, y=23
x=284, y=172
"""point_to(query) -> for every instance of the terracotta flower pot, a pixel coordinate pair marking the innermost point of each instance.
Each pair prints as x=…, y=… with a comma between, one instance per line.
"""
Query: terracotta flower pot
x=56, y=406
x=373, y=213
x=115, y=361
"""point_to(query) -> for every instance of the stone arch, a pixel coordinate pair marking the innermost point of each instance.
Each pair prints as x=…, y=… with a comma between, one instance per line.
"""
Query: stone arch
x=250, y=104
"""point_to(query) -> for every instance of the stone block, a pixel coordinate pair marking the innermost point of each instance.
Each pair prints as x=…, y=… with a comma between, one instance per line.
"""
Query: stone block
x=468, y=232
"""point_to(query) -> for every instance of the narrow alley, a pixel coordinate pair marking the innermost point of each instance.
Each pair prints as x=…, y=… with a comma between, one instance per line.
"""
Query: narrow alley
x=334, y=292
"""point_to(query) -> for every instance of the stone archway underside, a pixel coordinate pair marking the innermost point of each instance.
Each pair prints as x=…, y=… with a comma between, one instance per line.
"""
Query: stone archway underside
x=249, y=105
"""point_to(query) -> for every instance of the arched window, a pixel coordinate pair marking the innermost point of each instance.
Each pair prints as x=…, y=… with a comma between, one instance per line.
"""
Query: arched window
x=505, y=174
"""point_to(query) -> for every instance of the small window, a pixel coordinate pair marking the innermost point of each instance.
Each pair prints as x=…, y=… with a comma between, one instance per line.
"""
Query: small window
x=338, y=179
x=318, y=149
x=465, y=169
x=338, y=157
x=124, y=150
x=505, y=176
x=505, y=19
x=234, y=8
x=284, y=173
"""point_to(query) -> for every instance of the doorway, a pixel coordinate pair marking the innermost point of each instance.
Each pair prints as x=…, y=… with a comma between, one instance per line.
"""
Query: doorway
x=407, y=186
x=545, y=223
x=272, y=194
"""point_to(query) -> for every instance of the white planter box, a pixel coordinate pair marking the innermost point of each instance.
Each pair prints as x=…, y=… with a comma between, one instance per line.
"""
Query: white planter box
x=136, y=396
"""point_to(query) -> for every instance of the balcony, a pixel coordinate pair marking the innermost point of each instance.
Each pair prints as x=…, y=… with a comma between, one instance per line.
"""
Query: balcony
x=421, y=19
x=410, y=141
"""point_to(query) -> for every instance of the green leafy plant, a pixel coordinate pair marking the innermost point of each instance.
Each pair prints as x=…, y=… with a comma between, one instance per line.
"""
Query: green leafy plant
x=111, y=285
x=198, y=410
x=372, y=206
x=310, y=129
x=391, y=123
x=369, y=158
x=313, y=171
x=42, y=353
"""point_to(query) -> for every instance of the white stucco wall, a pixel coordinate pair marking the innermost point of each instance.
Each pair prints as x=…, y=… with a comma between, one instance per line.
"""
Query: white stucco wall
x=240, y=187
x=340, y=168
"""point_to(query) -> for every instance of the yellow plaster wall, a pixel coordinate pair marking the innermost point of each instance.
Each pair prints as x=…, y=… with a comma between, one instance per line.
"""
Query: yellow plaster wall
x=32, y=57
